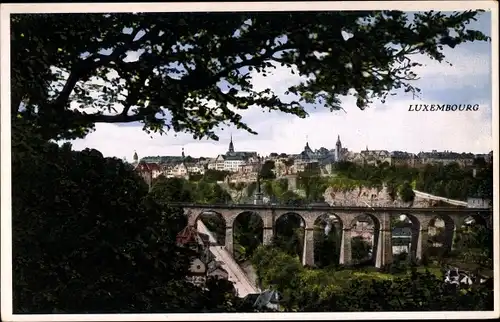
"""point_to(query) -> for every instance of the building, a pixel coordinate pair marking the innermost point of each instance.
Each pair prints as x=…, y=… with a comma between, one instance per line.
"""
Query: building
x=401, y=240
x=195, y=168
x=338, y=150
x=375, y=157
x=400, y=158
x=269, y=300
x=217, y=164
x=446, y=157
x=148, y=171
x=320, y=159
x=135, y=158
x=363, y=228
x=232, y=160
x=478, y=202
x=173, y=166
x=204, y=265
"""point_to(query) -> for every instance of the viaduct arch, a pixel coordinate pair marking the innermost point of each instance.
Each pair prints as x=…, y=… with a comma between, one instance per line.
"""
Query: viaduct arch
x=421, y=219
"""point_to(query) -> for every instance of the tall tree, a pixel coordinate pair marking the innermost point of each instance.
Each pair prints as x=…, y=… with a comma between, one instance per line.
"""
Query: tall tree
x=166, y=190
x=86, y=239
x=185, y=71
x=266, y=172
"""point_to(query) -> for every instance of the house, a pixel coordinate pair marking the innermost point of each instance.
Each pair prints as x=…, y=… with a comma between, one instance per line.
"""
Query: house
x=301, y=165
x=215, y=270
x=148, y=171
x=478, y=202
x=197, y=272
x=249, y=168
x=400, y=158
x=363, y=228
x=375, y=157
x=268, y=300
x=204, y=264
x=446, y=157
x=195, y=168
x=401, y=240
x=232, y=161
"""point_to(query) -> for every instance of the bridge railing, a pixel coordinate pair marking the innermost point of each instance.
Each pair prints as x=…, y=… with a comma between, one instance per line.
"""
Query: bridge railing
x=434, y=197
x=367, y=208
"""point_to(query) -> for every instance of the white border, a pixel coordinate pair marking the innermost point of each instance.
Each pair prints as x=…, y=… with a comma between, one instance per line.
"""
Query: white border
x=6, y=225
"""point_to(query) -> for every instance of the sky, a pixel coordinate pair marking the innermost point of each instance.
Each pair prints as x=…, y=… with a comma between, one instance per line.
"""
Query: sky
x=388, y=126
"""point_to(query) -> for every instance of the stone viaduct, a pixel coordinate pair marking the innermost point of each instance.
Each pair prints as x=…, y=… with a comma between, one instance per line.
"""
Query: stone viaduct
x=381, y=217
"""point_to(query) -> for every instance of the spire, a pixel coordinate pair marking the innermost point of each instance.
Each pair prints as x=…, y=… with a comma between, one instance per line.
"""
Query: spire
x=338, y=141
x=307, y=147
x=136, y=157
x=231, y=145
x=367, y=148
x=183, y=156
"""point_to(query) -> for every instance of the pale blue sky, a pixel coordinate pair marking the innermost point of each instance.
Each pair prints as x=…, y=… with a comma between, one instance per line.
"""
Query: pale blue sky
x=384, y=126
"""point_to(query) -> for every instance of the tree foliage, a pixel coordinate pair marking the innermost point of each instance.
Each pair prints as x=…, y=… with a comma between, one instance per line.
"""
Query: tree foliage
x=325, y=290
x=291, y=198
x=266, y=172
x=192, y=72
x=248, y=230
x=326, y=247
x=313, y=185
x=410, y=292
x=215, y=175
x=454, y=182
x=406, y=192
x=289, y=234
x=474, y=244
x=360, y=249
x=275, y=190
x=167, y=190
x=87, y=239
x=449, y=181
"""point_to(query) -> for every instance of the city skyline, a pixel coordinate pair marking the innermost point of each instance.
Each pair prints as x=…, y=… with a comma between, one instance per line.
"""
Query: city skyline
x=182, y=151
x=388, y=126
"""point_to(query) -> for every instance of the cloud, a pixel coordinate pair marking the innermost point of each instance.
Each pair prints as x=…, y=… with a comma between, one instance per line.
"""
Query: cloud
x=393, y=128
x=464, y=63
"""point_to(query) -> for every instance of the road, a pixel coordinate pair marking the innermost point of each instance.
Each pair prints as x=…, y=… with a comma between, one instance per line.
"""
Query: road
x=236, y=274
x=433, y=197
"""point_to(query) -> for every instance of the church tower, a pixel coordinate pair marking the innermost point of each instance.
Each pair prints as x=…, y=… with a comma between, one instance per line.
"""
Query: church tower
x=136, y=157
x=231, y=145
x=183, y=164
x=338, y=149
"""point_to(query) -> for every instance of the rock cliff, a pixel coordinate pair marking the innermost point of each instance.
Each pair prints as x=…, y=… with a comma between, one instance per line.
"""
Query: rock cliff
x=369, y=197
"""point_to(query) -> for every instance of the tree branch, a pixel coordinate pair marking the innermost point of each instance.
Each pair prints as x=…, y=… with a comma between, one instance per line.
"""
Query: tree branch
x=194, y=79
x=101, y=118
x=87, y=66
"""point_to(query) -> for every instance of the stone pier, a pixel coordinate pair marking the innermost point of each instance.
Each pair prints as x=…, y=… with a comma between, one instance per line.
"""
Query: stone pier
x=422, y=244
x=267, y=235
x=384, y=248
x=229, y=239
x=308, y=251
x=383, y=251
x=345, y=247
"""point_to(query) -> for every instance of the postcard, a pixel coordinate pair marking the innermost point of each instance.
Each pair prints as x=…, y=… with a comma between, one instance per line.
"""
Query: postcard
x=222, y=161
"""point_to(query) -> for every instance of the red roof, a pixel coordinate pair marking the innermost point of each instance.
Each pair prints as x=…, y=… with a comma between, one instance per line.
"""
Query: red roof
x=187, y=235
x=144, y=166
x=190, y=235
